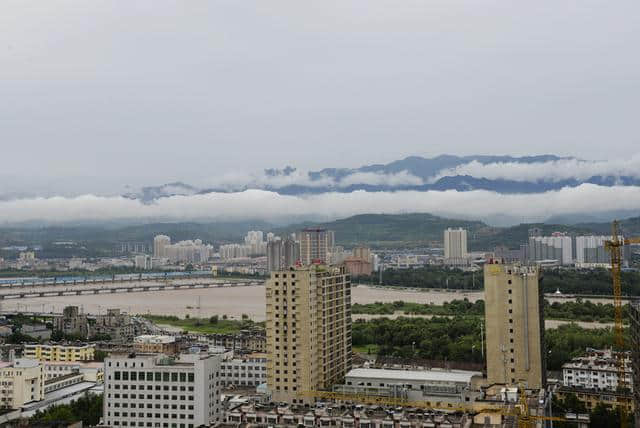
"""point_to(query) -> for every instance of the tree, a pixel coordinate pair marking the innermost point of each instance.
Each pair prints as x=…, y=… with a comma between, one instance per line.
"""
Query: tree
x=87, y=409
x=213, y=319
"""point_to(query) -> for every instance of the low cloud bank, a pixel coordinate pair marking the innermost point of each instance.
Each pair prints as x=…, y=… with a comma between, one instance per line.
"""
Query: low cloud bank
x=564, y=169
x=271, y=206
x=295, y=177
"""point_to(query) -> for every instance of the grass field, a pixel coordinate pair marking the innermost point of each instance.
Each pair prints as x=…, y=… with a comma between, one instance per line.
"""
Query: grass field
x=205, y=325
x=364, y=349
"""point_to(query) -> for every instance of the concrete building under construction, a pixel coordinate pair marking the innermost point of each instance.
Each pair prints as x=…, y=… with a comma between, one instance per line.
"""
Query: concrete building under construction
x=514, y=325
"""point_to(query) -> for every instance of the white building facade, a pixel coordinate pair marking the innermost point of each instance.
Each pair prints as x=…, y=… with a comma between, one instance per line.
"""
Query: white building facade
x=154, y=390
x=244, y=370
x=597, y=370
x=455, y=245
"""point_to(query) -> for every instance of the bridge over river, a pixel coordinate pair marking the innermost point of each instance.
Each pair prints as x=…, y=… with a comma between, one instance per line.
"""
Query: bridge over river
x=110, y=287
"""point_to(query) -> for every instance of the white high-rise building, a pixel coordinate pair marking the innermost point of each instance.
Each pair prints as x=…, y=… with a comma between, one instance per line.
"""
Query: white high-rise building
x=316, y=246
x=455, y=243
x=159, y=244
x=274, y=255
x=158, y=391
x=591, y=251
x=557, y=247
x=188, y=251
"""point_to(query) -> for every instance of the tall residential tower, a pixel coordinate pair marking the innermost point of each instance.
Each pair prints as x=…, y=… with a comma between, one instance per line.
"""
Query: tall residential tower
x=315, y=245
x=455, y=243
x=514, y=325
x=308, y=330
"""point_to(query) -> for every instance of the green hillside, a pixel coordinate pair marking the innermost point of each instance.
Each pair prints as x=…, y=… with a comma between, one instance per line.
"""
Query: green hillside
x=416, y=230
x=402, y=230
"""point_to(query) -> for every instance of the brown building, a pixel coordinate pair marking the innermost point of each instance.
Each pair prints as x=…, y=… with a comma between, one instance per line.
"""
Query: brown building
x=308, y=330
x=152, y=344
x=514, y=326
x=358, y=267
x=243, y=341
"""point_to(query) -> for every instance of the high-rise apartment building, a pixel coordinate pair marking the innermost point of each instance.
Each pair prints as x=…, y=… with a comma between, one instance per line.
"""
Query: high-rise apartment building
x=308, y=330
x=158, y=391
x=556, y=247
x=159, y=244
x=274, y=255
x=514, y=325
x=291, y=252
x=316, y=245
x=591, y=251
x=455, y=243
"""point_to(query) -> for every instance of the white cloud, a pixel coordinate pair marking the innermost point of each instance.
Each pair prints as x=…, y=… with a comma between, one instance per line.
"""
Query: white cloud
x=402, y=178
x=239, y=181
x=270, y=206
x=547, y=171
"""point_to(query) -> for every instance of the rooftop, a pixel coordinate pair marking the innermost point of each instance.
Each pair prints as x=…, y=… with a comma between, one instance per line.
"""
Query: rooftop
x=151, y=338
x=415, y=375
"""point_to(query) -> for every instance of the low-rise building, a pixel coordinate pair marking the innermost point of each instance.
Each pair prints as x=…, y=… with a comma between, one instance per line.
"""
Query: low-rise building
x=451, y=386
x=37, y=331
x=243, y=341
x=591, y=398
x=91, y=372
x=244, y=415
x=21, y=381
x=115, y=324
x=597, y=370
x=157, y=344
x=244, y=370
x=156, y=390
x=60, y=351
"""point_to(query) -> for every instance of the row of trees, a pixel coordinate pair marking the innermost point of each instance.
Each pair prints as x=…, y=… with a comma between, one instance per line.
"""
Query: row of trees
x=459, y=339
x=87, y=409
x=575, y=311
x=568, y=281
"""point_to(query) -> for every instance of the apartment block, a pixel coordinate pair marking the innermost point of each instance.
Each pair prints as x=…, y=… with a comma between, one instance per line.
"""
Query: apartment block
x=308, y=330
x=596, y=370
x=21, y=382
x=60, y=351
x=244, y=370
x=455, y=243
x=151, y=390
x=315, y=245
x=159, y=344
x=514, y=325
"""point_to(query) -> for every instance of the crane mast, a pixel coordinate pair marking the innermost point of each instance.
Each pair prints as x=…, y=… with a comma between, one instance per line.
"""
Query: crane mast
x=615, y=246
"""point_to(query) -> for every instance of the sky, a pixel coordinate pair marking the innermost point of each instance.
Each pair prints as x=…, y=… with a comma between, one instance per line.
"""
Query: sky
x=101, y=95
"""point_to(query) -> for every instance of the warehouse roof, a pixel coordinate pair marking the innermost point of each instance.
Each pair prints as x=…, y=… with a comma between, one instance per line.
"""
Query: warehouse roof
x=414, y=375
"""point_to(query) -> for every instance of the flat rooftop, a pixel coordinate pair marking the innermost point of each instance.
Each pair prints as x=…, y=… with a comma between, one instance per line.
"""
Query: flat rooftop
x=414, y=375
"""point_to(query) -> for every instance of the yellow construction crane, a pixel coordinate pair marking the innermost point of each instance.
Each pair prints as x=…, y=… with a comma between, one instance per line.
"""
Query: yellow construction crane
x=615, y=246
x=519, y=411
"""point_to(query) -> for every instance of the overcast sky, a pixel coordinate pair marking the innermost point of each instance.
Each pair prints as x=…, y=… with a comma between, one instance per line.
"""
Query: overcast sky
x=100, y=94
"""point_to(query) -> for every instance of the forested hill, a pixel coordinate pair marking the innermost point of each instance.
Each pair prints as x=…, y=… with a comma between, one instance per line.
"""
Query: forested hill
x=413, y=230
x=374, y=230
x=391, y=230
